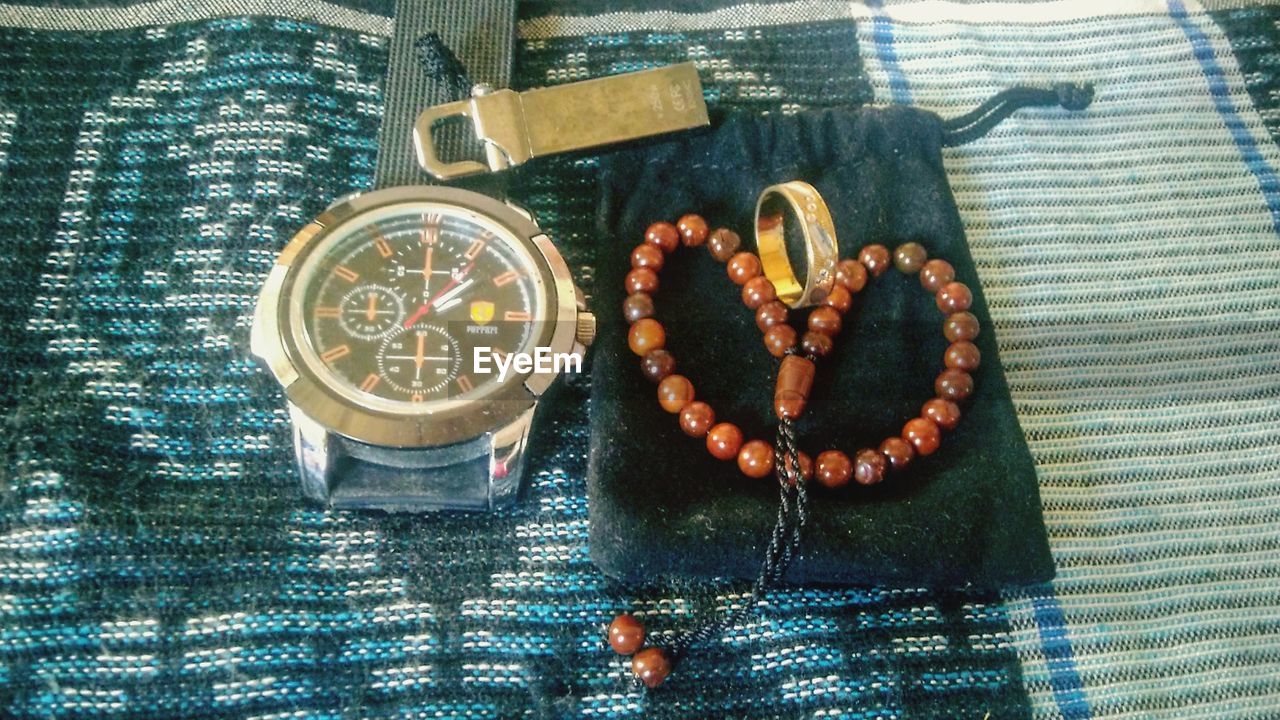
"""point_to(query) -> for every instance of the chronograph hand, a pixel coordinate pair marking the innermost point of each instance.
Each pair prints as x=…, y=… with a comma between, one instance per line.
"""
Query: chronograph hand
x=425, y=307
x=426, y=270
x=371, y=312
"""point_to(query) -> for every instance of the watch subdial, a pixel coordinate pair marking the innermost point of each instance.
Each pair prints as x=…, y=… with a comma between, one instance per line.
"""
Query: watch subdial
x=370, y=312
x=420, y=361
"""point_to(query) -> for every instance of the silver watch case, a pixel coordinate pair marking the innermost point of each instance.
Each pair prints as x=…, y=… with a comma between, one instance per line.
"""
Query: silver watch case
x=442, y=422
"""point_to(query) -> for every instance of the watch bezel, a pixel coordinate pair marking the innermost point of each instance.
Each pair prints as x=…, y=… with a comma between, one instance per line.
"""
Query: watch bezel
x=440, y=422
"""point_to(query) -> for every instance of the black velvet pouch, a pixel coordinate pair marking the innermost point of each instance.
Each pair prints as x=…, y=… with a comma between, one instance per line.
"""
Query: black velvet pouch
x=660, y=505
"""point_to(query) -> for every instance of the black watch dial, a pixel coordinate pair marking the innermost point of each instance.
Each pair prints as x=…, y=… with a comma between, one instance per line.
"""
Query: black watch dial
x=394, y=307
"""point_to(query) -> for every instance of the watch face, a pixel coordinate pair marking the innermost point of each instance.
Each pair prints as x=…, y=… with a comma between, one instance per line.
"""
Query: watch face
x=389, y=309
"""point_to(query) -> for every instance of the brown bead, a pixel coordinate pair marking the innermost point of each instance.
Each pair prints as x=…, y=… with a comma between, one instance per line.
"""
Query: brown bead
x=664, y=235
x=723, y=244
x=869, y=467
x=963, y=355
x=696, y=419
x=834, y=469
x=851, y=275
x=936, y=273
x=875, y=258
x=626, y=634
x=651, y=665
x=757, y=292
x=898, y=452
x=724, y=441
x=693, y=230
x=944, y=413
x=742, y=267
x=779, y=339
x=960, y=326
x=647, y=256
x=806, y=466
x=641, y=280
x=646, y=334
x=838, y=299
x=954, y=385
x=755, y=459
x=816, y=344
x=825, y=320
x=674, y=392
x=657, y=365
x=954, y=297
x=923, y=434
x=770, y=314
x=791, y=391
x=909, y=257
x=637, y=306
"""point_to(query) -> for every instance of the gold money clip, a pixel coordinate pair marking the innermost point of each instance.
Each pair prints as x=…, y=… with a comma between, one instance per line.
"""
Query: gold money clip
x=515, y=127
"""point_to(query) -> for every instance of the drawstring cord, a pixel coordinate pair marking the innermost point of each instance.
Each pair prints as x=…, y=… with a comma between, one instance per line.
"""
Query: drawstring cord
x=978, y=122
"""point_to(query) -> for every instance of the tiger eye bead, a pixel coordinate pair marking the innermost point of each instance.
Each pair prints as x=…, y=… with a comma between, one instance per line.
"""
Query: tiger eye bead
x=963, y=355
x=825, y=320
x=696, y=419
x=869, y=467
x=663, y=235
x=816, y=344
x=641, y=280
x=724, y=441
x=875, y=258
x=758, y=291
x=779, y=339
x=742, y=267
x=755, y=459
x=898, y=452
x=723, y=244
x=674, y=393
x=657, y=365
x=834, y=469
x=960, y=326
x=936, y=273
x=651, y=666
x=944, y=413
x=637, y=306
x=647, y=256
x=646, y=334
x=693, y=230
x=954, y=385
x=852, y=275
x=626, y=634
x=909, y=257
x=923, y=434
x=838, y=299
x=770, y=314
x=806, y=466
x=954, y=297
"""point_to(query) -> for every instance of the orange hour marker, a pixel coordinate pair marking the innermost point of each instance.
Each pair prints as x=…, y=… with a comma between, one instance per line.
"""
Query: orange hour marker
x=513, y=316
x=476, y=248
x=464, y=383
x=384, y=247
x=328, y=312
x=346, y=273
x=339, y=352
x=370, y=382
x=506, y=278
x=500, y=355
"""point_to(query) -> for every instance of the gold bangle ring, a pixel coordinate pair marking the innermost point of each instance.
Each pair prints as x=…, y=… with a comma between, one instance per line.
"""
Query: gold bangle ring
x=821, y=250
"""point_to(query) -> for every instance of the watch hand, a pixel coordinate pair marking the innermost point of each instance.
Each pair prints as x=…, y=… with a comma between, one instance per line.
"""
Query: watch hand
x=418, y=358
x=426, y=270
x=371, y=312
x=422, y=309
x=452, y=297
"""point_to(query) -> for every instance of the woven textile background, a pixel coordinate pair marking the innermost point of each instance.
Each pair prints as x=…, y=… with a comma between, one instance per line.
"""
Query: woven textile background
x=156, y=560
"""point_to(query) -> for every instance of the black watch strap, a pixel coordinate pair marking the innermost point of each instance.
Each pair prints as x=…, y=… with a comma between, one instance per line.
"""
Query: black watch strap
x=481, y=34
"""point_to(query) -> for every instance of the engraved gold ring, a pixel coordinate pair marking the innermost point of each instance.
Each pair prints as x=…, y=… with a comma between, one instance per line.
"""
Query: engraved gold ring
x=812, y=218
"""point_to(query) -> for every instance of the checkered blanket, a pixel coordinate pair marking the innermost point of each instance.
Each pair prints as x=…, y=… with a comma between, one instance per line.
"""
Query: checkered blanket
x=156, y=560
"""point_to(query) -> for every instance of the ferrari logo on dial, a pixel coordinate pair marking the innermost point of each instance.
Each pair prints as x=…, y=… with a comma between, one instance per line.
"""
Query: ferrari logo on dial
x=481, y=311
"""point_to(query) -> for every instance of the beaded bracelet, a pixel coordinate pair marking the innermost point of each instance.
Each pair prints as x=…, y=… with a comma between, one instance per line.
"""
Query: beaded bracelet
x=757, y=458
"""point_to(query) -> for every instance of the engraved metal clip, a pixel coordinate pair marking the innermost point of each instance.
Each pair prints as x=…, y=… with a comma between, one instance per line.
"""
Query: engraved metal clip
x=515, y=127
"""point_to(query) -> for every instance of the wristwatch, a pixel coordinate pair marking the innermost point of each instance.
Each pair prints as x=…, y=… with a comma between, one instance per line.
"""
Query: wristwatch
x=414, y=329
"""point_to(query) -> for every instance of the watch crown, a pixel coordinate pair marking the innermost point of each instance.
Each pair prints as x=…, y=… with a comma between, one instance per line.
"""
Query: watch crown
x=586, y=328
